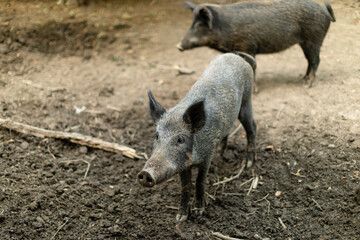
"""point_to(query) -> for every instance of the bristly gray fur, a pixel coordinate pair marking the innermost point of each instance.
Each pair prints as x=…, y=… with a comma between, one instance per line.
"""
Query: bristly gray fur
x=189, y=133
x=261, y=27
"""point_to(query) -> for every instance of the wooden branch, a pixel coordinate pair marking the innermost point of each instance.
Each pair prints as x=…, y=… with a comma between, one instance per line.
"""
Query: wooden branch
x=72, y=137
x=221, y=236
x=237, y=129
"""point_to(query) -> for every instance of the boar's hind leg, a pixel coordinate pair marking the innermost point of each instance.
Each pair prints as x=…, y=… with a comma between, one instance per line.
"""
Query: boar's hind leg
x=312, y=52
x=184, y=209
x=247, y=120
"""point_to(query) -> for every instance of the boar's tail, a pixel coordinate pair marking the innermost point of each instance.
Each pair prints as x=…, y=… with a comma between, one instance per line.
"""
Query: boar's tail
x=330, y=10
x=247, y=57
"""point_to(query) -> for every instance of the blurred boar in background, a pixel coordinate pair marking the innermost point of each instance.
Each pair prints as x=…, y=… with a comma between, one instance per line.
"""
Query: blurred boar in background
x=261, y=27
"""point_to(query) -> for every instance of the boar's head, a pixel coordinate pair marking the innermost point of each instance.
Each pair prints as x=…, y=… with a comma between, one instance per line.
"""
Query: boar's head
x=174, y=140
x=201, y=32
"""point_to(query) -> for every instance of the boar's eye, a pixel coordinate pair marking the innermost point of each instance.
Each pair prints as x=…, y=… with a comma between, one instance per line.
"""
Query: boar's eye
x=180, y=140
x=157, y=136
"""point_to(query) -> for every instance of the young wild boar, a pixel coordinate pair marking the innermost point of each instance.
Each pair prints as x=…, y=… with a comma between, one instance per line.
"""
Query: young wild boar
x=188, y=134
x=261, y=27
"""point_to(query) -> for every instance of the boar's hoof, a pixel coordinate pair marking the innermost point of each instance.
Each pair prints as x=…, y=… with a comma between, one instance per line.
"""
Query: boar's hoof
x=307, y=85
x=181, y=217
x=250, y=159
x=307, y=82
x=198, y=211
x=145, y=179
x=254, y=88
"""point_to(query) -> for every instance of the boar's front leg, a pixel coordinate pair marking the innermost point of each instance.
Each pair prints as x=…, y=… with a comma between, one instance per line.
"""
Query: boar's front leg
x=247, y=120
x=184, y=209
x=200, y=186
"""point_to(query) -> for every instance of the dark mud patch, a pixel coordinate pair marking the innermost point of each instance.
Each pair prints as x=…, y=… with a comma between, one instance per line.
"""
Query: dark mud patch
x=308, y=156
x=94, y=194
x=69, y=37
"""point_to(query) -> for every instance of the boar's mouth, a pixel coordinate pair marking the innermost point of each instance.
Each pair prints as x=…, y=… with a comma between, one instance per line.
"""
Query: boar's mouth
x=179, y=47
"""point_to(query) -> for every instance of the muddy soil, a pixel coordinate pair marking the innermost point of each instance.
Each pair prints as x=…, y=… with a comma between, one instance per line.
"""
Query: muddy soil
x=102, y=58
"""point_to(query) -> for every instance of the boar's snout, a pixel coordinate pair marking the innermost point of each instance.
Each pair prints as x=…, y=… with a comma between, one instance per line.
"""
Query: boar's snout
x=179, y=47
x=145, y=179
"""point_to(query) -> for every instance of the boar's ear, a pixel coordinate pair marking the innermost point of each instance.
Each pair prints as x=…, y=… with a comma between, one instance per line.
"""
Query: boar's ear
x=190, y=6
x=156, y=110
x=195, y=116
x=206, y=16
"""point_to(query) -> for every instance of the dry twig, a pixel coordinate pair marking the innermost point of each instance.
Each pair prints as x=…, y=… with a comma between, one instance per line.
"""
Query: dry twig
x=317, y=204
x=282, y=223
x=247, y=181
x=234, y=177
x=254, y=184
x=51, y=89
x=171, y=207
x=210, y=196
x=72, y=137
x=59, y=229
x=77, y=160
x=221, y=236
x=257, y=236
x=264, y=198
x=237, y=129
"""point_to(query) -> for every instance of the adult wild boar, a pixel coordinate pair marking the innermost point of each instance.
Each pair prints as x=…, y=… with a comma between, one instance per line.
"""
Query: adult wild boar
x=261, y=27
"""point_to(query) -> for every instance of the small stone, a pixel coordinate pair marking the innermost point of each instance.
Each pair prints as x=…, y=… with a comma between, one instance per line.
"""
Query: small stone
x=309, y=187
x=34, y=205
x=40, y=220
x=351, y=139
x=102, y=35
x=48, y=174
x=112, y=208
x=116, y=229
x=105, y=223
x=332, y=146
x=24, y=145
x=110, y=192
x=323, y=144
x=36, y=224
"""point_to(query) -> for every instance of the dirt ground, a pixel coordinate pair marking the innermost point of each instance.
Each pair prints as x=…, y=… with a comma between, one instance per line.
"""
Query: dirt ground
x=104, y=57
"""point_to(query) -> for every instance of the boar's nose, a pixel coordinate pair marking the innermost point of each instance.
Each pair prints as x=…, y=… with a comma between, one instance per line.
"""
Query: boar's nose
x=145, y=179
x=179, y=47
